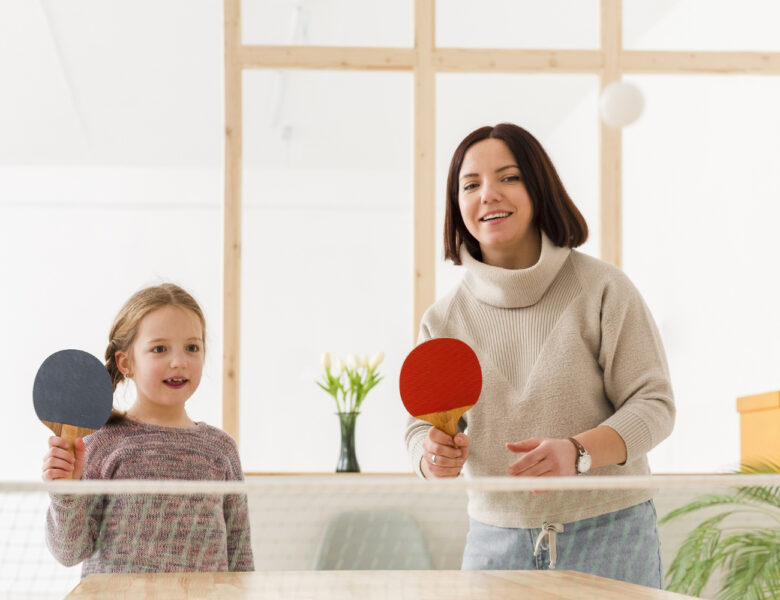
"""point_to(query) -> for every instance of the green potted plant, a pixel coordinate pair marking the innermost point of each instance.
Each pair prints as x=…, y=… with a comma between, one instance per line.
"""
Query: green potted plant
x=749, y=556
x=349, y=383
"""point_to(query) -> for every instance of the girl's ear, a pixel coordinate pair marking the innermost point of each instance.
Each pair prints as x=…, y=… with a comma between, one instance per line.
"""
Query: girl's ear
x=122, y=362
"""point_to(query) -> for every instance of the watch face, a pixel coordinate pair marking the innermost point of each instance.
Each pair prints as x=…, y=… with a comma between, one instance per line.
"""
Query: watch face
x=583, y=465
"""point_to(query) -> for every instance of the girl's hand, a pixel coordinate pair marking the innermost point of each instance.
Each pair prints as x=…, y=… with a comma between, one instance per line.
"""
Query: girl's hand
x=444, y=456
x=545, y=457
x=58, y=462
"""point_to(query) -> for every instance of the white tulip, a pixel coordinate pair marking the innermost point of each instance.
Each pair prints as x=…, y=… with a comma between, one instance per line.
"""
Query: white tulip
x=339, y=367
x=325, y=360
x=376, y=360
x=352, y=361
x=364, y=361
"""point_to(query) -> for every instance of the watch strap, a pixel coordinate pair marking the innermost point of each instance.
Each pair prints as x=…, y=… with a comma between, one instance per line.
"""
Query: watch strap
x=580, y=453
x=580, y=448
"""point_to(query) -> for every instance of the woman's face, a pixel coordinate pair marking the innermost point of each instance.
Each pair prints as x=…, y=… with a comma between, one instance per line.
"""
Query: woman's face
x=496, y=207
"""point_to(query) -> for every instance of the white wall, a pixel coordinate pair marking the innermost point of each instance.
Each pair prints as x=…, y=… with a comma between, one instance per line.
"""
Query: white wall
x=75, y=243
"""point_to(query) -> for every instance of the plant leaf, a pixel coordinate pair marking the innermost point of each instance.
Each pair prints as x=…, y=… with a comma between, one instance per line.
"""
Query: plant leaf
x=754, y=566
x=697, y=557
x=761, y=494
x=698, y=504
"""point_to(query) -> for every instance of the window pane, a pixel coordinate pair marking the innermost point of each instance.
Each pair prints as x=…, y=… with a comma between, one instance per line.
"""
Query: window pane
x=328, y=22
x=700, y=240
x=558, y=24
x=559, y=110
x=701, y=25
x=326, y=261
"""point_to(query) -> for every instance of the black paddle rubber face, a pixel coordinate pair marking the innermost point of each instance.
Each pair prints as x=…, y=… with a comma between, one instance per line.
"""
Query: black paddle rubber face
x=73, y=387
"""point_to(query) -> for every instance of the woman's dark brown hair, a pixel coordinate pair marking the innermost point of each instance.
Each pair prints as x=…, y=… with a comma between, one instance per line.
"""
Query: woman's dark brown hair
x=554, y=211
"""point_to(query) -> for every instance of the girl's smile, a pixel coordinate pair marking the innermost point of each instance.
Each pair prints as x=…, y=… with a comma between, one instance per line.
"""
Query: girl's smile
x=176, y=382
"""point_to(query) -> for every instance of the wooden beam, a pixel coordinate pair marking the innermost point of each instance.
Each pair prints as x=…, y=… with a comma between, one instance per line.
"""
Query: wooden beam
x=399, y=59
x=635, y=61
x=486, y=60
x=424, y=247
x=231, y=285
x=611, y=139
x=326, y=57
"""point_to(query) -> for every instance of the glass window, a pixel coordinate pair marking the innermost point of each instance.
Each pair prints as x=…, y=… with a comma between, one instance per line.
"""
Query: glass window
x=701, y=25
x=561, y=24
x=327, y=262
x=559, y=110
x=387, y=23
x=700, y=240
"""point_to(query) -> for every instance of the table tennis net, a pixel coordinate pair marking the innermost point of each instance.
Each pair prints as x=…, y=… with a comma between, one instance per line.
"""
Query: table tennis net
x=365, y=522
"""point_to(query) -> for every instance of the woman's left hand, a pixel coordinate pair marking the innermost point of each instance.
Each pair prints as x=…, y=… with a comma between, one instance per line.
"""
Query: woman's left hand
x=545, y=457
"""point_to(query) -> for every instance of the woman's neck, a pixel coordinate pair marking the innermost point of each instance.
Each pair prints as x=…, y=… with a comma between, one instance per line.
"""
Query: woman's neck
x=521, y=255
x=169, y=416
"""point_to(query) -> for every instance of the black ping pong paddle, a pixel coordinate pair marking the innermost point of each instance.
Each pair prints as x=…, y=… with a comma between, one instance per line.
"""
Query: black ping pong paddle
x=73, y=394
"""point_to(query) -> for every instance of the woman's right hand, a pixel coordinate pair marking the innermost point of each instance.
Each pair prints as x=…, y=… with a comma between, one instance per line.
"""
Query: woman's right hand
x=444, y=456
x=58, y=462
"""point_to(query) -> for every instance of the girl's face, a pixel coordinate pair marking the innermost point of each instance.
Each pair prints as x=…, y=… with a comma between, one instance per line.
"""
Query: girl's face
x=495, y=205
x=166, y=358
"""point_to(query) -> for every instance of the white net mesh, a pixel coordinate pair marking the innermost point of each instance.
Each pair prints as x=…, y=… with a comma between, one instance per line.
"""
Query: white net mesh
x=362, y=522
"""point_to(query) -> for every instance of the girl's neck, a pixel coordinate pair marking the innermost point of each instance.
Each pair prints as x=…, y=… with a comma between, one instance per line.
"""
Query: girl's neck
x=169, y=416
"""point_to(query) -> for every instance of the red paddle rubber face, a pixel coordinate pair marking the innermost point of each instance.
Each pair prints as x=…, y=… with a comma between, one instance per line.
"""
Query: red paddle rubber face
x=440, y=375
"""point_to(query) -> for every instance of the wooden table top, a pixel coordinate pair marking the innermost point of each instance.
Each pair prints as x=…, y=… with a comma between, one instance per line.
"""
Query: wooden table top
x=367, y=585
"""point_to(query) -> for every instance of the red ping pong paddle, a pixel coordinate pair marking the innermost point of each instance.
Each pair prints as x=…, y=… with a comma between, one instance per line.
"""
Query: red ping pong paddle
x=440, y=380
x=73, y=395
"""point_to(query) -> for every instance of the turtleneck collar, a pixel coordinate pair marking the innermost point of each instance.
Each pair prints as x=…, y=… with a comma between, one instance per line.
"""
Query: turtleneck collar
x=513, y=288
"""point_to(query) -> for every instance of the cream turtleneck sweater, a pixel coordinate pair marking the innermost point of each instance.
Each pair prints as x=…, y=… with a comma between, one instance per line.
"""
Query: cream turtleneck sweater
x=565, y=345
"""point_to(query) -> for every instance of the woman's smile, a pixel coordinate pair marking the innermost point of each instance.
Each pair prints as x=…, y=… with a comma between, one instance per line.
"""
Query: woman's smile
x=495, y=218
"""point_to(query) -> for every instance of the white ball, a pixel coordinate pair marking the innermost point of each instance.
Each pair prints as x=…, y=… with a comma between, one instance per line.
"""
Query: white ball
x=621, y=104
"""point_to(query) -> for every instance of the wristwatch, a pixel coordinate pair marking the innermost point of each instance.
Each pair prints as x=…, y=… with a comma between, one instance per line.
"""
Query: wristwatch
x=583, y=462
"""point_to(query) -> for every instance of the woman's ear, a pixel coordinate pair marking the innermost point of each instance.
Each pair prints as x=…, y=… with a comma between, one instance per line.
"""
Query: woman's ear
x=122, y=362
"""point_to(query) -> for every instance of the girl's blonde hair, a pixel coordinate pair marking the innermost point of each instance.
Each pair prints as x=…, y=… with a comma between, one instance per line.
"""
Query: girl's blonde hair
x=140, y=304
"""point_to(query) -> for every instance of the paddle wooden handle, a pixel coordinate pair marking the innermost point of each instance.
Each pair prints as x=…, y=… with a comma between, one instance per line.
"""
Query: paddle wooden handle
x=69, y=433
x=446, y=420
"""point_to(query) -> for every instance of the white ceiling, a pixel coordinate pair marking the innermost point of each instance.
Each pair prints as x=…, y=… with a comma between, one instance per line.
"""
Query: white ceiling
x=115, y=82
x=109, y=82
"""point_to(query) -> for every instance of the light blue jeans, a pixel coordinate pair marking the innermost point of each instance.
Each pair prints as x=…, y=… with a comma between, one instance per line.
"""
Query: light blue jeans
x=621, y=545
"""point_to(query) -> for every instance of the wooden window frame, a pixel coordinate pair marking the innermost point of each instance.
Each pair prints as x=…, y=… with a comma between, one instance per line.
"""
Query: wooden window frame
x=424, y=59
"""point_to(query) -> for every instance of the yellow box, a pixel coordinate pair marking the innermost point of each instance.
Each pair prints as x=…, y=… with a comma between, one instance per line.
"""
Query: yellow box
x=760, y=428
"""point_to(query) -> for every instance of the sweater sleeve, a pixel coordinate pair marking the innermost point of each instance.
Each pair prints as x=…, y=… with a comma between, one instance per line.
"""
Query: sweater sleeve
x=239, y=538
x=72, y=526
x=236, y=509
x=636, y=375
x=416, y=429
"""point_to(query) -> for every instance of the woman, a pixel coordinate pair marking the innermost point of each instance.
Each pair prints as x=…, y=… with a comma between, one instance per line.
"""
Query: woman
x=574, y=373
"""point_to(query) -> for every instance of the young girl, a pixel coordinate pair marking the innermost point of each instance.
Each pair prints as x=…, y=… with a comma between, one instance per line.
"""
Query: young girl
x=157, y=341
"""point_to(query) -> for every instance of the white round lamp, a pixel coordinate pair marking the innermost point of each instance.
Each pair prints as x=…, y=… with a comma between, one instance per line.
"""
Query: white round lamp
x=621, y=103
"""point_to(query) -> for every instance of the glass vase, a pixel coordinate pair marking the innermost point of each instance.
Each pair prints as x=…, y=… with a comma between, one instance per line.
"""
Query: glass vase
x=347, y=458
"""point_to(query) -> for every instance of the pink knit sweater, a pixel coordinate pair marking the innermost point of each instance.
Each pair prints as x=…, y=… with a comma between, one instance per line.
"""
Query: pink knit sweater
x=154, y=533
